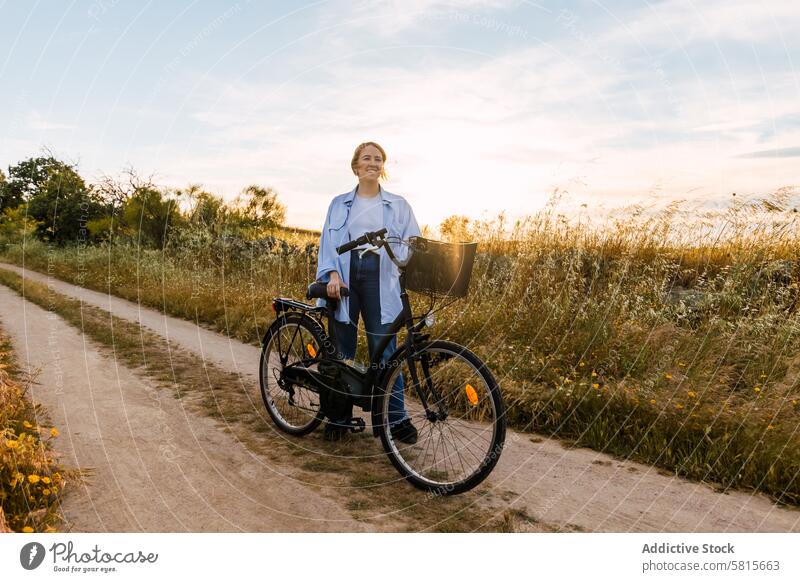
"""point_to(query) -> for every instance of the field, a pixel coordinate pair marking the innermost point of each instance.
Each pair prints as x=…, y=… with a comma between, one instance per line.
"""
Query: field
x=671, y=339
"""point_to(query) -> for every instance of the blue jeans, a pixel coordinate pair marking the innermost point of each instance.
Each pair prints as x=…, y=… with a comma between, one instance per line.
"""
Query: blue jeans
x=365, y=299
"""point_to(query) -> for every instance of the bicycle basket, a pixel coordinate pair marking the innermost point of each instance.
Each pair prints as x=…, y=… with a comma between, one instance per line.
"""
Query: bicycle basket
x=439, y=268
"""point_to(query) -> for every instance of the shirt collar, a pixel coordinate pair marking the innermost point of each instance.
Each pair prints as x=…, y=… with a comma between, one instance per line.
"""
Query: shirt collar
x=386, y=197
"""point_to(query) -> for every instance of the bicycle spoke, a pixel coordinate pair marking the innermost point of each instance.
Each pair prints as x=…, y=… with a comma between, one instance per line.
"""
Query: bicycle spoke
x=291, y=341
x=448, y=455
x=428, y=433
x=460, y=440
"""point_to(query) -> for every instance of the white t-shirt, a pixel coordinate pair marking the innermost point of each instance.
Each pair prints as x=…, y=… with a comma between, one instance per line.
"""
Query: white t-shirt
x=366, y=215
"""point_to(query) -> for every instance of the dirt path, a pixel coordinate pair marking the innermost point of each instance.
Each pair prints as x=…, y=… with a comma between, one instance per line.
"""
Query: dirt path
x=155, y=466
x=569, y=489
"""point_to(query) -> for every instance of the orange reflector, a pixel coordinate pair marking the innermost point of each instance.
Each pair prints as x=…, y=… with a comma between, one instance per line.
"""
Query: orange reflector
x=472, y=396
x=311, y=351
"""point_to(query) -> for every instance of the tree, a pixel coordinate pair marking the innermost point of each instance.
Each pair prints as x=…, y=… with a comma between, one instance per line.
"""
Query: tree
x=148, y=215
x=58, y=199
x=27, y=178
x=206, y=211
x=257, y=210
x=116, y=192
x=15, y=226
x=3, y=192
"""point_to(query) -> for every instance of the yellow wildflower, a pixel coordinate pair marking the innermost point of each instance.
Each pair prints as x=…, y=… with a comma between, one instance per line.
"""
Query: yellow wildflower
x=652, y=401
x=681, y=364
x=27, y=529
x=27, y=424
x=668, y=376
x=770, y=427
x=33, y=479
x=756, y=389
x=581, y=364
x=596, y=386
x=794, y=402
x=46, y=480
x=54, y=432
x=12, y=444
x=763, y=376
x=45, y=492
x=56, y=477
x=594, y=374
x=691, y=394
x=679, y=406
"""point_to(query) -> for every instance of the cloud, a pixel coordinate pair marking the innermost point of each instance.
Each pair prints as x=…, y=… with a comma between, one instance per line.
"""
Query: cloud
x=389, y=18
x=679, y=23
x=773, y=153
x=37, y=122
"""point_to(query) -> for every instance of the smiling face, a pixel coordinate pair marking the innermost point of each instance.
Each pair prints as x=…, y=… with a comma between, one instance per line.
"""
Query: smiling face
x=368, y=163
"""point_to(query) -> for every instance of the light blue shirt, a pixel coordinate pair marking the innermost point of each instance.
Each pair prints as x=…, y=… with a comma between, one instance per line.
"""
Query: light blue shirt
x=398, y=219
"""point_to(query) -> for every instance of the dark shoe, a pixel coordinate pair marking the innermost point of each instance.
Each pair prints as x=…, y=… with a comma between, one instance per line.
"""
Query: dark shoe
x=334, y=432
x=405, y=432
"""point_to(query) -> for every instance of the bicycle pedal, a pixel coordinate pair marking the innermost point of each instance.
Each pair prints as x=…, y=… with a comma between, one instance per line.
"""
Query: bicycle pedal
x=357, y=425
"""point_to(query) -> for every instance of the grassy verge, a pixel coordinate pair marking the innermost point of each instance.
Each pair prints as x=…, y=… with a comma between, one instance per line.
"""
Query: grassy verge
x=31, y=480
x=354, y=472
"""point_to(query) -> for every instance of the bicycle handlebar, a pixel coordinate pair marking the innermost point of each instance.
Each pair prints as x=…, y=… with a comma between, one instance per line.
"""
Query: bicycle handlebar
x=368, y=237
x=320, y=291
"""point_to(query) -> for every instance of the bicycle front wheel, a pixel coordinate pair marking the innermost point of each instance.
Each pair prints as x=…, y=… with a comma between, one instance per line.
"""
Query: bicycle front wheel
x=458, y=412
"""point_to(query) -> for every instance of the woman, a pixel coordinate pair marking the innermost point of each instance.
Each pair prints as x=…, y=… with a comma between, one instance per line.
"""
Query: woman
x=368, y=273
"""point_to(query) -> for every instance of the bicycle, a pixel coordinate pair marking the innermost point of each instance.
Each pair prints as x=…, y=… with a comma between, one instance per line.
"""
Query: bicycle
x=452, y=397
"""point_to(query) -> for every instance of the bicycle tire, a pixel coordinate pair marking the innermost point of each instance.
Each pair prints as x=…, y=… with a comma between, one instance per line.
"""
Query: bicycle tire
x=467, y=424
x=294, y=418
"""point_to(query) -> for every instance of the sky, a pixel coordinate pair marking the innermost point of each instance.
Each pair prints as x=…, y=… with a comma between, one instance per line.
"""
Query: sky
x=483, y=106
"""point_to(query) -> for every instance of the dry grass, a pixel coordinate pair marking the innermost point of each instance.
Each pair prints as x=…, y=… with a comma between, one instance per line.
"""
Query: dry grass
x=671, y=339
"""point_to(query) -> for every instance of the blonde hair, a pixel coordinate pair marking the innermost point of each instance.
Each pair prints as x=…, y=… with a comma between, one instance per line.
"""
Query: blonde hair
x=357, y=153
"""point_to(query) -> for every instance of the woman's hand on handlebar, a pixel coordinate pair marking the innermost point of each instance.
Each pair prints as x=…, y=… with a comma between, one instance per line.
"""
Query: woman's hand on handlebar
x=334, y=286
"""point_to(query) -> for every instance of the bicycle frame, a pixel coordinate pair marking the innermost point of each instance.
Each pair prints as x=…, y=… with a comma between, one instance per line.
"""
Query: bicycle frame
x=377, y=369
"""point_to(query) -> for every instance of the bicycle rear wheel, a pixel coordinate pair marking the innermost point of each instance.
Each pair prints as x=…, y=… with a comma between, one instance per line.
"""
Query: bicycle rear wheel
x=292, y=338
x=462, y=430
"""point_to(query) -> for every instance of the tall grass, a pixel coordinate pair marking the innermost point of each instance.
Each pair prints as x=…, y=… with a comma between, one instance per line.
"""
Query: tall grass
x=673, y=339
